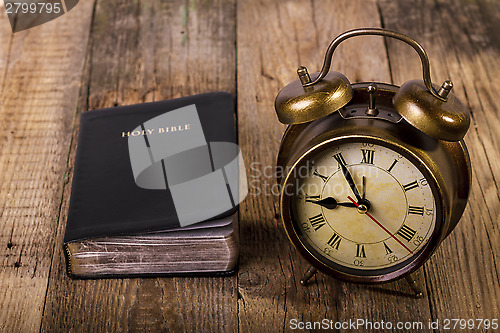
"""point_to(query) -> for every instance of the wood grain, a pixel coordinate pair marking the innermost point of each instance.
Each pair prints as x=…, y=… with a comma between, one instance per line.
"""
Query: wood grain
x=41, y=77
x=105, y=53
x=463, y=46
x=5, y=44
x=139, y=52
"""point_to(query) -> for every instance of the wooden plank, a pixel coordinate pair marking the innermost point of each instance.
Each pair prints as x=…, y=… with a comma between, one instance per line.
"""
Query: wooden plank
x=274, y=38
x=5, y=44
x=147, y=51
x=140, y=53
x=463, y=44
x=42, y=72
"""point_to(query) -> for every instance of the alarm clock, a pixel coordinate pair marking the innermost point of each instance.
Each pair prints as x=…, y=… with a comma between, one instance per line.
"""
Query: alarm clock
x=375, y=176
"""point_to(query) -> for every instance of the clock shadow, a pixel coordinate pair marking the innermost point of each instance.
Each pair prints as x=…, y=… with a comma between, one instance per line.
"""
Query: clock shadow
x=387, y=290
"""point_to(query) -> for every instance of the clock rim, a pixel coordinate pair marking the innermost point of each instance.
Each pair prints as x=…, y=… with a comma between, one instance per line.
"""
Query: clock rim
x=414, y=262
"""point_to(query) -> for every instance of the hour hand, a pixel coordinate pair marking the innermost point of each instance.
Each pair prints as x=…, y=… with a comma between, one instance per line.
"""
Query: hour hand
x=331, y=203
x=364, y=187
x=350, y=181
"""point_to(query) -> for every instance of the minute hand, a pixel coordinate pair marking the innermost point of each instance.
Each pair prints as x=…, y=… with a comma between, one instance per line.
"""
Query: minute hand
x=350, y=181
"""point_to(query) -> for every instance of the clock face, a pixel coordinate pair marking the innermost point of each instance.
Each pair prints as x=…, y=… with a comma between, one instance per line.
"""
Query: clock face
x=362, y=208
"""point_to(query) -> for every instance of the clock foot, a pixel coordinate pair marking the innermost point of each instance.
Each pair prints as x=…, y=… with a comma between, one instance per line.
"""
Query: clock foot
x=414, y=286
x=308, y=275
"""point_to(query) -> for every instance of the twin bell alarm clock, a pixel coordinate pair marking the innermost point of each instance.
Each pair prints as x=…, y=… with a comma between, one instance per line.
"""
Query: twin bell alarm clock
x=376, y=175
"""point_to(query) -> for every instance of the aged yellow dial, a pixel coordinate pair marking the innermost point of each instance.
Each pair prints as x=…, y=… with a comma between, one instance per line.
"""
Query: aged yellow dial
x=363, y=206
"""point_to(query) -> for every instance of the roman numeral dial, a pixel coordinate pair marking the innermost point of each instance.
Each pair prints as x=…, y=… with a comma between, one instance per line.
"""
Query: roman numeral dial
x=406, y=233
x=312, y=198
x=393, y=190
x=416, y=210
x=317, y=174
x=360, y=251
x=368, y=156
x=334, y=241
x=387, y=249
x=317, y=221
x=392, y=165
x=340, y=159
x=410, y=186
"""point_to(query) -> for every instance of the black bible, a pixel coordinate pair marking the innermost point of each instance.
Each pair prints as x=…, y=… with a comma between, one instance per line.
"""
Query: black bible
x=130, y=214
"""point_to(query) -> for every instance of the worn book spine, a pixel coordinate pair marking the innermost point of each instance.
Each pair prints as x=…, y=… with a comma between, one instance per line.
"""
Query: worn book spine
x=67, y=254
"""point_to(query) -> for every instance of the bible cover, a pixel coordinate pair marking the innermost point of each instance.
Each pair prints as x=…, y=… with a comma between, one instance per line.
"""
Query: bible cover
x=108, y=195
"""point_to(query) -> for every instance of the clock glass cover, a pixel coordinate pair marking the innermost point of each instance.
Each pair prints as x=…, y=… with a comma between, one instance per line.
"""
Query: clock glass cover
x=362, y=208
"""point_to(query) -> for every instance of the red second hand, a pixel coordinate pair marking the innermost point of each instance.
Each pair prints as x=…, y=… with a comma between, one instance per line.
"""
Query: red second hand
x=380, y=225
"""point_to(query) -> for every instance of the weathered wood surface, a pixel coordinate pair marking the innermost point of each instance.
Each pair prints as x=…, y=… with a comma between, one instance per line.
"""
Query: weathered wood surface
x=462, y=40
x=41, y=74
x=105, y=53
x=141, y=52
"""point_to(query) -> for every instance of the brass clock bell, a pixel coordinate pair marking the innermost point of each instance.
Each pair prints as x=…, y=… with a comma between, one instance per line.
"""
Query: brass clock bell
x=373, y=189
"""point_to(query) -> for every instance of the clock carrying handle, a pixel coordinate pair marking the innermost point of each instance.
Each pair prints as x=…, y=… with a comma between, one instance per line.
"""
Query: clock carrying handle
x=379, y=32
